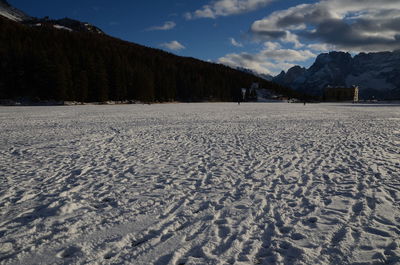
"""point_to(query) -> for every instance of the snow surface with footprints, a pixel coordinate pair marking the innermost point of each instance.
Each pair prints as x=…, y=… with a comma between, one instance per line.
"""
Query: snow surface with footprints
x=212, y=183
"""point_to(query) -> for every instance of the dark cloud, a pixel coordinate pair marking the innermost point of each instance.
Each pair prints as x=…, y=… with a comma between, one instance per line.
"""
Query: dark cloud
x=342, y=35
x=393, y=24
x=349, y=25
x=271, y=34
x=312, y=15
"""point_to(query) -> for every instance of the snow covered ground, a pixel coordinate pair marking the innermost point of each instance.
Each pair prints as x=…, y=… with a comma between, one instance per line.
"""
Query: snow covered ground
x=188, y=184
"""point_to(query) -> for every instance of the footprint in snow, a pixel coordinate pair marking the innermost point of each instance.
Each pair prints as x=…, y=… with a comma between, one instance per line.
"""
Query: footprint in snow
x=69, y=252
x=109, y=255
x=297, y=236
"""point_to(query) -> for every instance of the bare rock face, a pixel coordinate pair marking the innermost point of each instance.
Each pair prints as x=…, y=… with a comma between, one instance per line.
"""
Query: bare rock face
x=377, y=74
x=374, y=73
x=293, y=76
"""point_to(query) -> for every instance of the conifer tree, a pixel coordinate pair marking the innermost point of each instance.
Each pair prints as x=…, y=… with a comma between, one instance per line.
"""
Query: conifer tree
x=46, y=63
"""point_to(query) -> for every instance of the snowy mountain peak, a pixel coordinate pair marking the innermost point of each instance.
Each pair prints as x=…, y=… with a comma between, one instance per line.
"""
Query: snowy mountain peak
x=66, y=24
x=14, y=14
x=7, y=11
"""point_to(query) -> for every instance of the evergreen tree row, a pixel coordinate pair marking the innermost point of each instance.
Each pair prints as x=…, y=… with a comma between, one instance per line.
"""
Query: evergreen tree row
x=44, y=63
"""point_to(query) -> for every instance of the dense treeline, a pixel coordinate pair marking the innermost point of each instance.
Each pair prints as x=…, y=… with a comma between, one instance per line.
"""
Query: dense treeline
x=44, y=63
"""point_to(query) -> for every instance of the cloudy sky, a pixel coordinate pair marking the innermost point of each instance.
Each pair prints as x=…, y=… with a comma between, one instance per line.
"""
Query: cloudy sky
x=263, y=35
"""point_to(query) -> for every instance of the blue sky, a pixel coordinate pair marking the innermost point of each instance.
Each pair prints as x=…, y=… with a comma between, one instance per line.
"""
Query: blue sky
x=264, y=35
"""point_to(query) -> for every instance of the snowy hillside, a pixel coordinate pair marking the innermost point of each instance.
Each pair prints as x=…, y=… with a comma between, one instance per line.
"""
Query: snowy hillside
x=6, y=10
x=200, y=184
x=14, y=14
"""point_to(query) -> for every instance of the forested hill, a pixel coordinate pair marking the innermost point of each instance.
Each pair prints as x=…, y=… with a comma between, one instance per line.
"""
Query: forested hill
x=42, y=63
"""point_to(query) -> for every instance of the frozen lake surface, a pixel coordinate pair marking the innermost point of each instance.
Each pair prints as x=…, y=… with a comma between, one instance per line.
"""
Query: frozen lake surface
x=200, y=184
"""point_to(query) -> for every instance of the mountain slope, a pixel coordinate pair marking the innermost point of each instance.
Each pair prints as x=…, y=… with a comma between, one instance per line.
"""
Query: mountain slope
x=62, y=59
x=263, y=76
x=376, y=74
x=14, y=14
x=41, y=63
x=6, y=10
x=63, y=24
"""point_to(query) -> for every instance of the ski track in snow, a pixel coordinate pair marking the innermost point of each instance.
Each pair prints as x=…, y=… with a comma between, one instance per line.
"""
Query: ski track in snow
x=200, y=184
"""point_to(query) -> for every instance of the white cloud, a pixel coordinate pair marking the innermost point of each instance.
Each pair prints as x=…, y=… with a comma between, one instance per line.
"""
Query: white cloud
x=248, y=61
x=173, y=45
x=226, y=8
x=270, y=60
x=274, y=51
x=292, y=38
x=167, y=26
x=321, y=47
x=350, y=25
x=288, y=55
x=269, y=45
x=235, y=43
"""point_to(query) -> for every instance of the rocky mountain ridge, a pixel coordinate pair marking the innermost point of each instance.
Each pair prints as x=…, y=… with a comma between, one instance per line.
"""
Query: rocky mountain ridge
x=376, y=74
